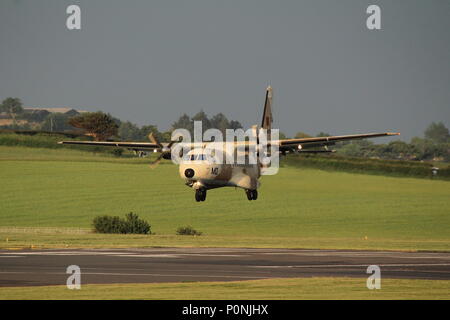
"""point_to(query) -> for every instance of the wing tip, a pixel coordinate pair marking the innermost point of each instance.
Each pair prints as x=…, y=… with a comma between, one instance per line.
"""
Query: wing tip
x=393, y=133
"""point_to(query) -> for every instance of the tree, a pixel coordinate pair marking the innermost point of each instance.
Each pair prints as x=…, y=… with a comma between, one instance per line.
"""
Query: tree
x=300, y=135
x=97, y=124
x=399, y=148
x=166, y=136
x=12, y=106
x=202, y=116
x=129, y=131
x=220, y=122
x=357, y=148
x=235, y=125
x=146, y=130
x=56, y=122
x=437, y=132
x=351, y=150
x=35, y=116
x=183, y=122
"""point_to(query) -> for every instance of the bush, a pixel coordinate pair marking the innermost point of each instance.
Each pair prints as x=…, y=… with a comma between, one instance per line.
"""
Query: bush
x=108, y=224
x=135, y=225
x=188, y=231
x=117, y=152
x=131, y=224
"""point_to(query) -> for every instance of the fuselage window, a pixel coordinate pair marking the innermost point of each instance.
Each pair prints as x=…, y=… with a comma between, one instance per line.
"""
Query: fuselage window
x=197, y=157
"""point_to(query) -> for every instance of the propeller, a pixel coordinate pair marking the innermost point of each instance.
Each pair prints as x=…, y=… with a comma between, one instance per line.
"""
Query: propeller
x=164, y=149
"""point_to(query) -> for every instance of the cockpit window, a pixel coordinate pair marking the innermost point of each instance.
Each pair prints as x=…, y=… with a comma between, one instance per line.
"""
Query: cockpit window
x=197, y=157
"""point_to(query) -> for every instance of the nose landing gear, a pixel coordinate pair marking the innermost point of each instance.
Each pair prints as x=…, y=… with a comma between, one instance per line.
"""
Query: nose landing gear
x=252, y=194
x=200, y=195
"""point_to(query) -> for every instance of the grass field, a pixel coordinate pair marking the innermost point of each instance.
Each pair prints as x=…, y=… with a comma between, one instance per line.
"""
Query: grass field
x=303, y=208
x=273, y=289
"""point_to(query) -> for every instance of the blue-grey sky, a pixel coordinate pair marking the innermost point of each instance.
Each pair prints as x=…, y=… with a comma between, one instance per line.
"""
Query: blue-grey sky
x=150, y=61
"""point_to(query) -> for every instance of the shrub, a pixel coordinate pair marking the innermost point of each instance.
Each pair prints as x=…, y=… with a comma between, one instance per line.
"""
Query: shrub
x=117, y=152
x=108, y=224
x=188, y=231
x=135, y=225
x=131, y=224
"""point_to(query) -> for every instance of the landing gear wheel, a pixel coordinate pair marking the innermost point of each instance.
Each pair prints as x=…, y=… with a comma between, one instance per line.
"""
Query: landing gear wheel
x=203, y=195
x=252, y=194
x=200, y=195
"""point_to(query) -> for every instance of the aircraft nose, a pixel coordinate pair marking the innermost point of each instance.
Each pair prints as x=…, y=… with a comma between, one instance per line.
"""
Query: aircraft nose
x=189, y=173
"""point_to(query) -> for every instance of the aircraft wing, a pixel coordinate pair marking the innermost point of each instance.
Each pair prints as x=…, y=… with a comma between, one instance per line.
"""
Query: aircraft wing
x=129, y=145
x=305, y=143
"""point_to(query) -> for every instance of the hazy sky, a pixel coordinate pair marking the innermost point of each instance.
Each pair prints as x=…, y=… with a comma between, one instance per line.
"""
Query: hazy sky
x=150, y=61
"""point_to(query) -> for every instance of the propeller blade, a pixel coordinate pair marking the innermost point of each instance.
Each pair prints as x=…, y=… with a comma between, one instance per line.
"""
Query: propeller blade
x=153, y=139
x=163, y=149
x=155, y=163
x=170, y=144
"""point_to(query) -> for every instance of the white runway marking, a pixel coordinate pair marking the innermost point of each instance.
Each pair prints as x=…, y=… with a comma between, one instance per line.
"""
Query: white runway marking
x=359, y=265
x=67, y=253
x=120, y=254
x=399, y=255
x=140, y=274
x=173, y=275
x=179, y=253
x=149, y=255
x=211, y=255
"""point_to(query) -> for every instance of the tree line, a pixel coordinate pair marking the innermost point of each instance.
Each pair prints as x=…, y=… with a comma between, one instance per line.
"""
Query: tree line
x=102, y=126
x=434, y=145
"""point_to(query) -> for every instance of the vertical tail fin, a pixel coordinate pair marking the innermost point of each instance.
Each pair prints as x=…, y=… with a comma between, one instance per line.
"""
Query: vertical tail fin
x=267, y=115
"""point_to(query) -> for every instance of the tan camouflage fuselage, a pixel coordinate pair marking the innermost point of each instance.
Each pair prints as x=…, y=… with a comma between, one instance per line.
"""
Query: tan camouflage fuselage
x=204, y=174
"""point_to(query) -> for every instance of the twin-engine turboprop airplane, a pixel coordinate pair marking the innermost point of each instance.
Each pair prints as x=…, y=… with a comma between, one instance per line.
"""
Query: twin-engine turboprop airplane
x=202, y=172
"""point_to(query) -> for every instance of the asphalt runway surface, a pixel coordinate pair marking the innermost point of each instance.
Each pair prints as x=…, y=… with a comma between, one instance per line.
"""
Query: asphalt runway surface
x=48, y=267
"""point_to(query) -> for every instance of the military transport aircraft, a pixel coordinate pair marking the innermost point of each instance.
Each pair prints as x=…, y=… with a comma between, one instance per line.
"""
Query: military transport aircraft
x=202, y=174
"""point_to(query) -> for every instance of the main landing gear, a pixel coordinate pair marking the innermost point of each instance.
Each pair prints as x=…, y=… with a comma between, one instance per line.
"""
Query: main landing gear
x=200, y=195
x=252, y=194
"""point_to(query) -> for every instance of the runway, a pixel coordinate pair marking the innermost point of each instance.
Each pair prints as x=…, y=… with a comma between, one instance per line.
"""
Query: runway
x=48, y=267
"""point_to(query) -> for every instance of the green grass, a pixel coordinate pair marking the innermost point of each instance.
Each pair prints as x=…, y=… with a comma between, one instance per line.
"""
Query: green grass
x=32, y=238
x=306, y=208
x=64, y=154
x=273, y=289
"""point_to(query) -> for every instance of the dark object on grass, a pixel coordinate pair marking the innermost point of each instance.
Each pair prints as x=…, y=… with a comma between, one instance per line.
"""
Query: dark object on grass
x=131, y=224
x=188, y=231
